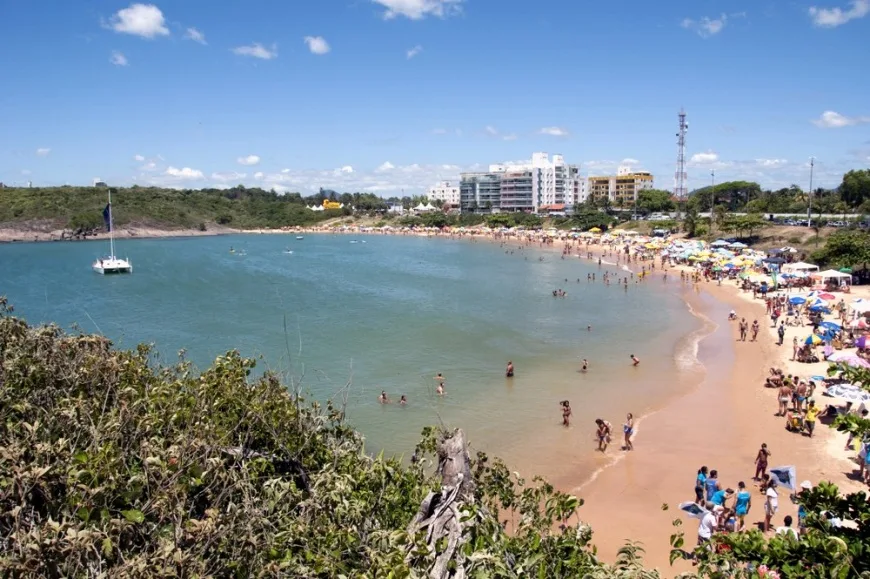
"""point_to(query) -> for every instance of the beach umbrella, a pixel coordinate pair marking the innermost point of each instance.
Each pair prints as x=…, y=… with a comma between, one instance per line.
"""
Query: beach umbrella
x=595, y=230
x=785, y=476
x=859, y=324
x=797, y=300
x=830, y=326
x=813, y=340
x=861, y=342
x=694, y=510
x=861, y=307
x=849, y=360
x=820, y=308
x=845, y=270
x=827, y=296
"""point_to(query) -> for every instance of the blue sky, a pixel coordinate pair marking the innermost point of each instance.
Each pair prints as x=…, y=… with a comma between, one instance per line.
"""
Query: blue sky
x=394, y=95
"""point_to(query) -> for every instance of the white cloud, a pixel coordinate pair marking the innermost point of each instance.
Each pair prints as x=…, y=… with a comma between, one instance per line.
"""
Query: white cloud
x=706, y=27
x=118, y=59
x=257, y=50
x=834, y=120
x=149, y=166
x=833, y=17
x=628, y=161
x=195, y=35
x=490, y=130
x=554, y=131
x=184, y=173
x=347, y=169
x=139, y=158
x=385, y=166
x=42, y=151
x=414, y=52
x=285, y=170
x=145, y=20
x=419, y=9
x=258, y=175
x=707, y=158
x=228, y=176
x=510, y=137
x=317, y=44
x=439, y=131
x=249, y=160
x=771, y=163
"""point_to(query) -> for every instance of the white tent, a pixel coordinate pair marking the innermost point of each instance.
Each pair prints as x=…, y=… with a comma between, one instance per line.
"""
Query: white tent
x=832, y=276
x=799, y=267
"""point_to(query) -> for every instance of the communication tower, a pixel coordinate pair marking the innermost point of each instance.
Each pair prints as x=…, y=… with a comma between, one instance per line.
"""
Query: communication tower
x=680, y=178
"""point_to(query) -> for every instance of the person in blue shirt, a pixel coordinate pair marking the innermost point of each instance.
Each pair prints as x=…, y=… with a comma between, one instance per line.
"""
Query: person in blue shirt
x=700, y=484
x=712, y=484
x=720, y=496
x=742, y=504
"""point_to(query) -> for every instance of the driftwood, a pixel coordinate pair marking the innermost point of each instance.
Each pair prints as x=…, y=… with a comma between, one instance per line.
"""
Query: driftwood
x=440, y=512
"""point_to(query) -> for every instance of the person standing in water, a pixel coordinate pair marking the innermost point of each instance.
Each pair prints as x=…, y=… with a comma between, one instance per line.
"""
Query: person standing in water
x=628, y=431
x=383, y=398
x=604, y=430
x=585, y=365
x=634, y=360
x=509, y=372
x=566, y=412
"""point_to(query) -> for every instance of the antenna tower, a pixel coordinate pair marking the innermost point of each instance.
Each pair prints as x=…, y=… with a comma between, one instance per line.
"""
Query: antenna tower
x=680, y=178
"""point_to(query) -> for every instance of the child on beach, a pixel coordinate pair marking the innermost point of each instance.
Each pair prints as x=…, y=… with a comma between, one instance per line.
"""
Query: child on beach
x=604, y=430
x=634, y=360
x=566, y=413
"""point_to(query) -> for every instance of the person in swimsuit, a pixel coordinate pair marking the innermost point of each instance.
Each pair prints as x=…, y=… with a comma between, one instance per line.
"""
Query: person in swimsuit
x=403, y=400
x=566, y=412
x=755, y=328
x=604, y=430
x=634, y=360
x=785, y=396
x=761, y=462
x=628, y=431
x=509, y=372
x=383, y=398
x=585, y=365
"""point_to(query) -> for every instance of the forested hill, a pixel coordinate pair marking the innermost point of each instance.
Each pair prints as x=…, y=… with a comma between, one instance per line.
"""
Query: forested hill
x=239, y=207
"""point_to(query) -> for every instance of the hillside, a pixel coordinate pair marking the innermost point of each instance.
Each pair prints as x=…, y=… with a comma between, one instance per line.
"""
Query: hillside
x=76, y=208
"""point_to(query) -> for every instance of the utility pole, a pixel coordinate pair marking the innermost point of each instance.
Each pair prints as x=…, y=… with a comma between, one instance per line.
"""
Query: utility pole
x=810, y=197
x=712, y=191
x=680, y=177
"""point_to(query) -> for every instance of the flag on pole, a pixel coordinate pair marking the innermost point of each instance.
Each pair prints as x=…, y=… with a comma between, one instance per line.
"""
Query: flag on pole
x=107, y=216
x=785, y=476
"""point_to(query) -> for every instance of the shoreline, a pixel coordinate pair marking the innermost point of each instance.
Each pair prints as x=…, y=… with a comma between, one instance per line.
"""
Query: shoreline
x=21, y=235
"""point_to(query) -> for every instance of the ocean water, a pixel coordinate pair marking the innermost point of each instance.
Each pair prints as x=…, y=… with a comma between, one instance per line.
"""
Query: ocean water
x=389, y=313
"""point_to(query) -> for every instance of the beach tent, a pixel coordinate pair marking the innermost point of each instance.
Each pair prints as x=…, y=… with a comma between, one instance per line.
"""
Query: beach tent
x=719, y=243
x=738, y=245
x=800, y=267
x=832, y=276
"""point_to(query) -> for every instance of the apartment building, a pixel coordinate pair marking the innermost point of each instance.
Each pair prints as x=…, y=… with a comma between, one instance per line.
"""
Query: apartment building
x=479, y=191
x=621, y=189
x=541, y=185
x=446, y=193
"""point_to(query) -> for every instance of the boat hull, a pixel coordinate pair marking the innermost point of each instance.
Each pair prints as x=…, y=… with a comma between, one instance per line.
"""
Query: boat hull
x=112, y=266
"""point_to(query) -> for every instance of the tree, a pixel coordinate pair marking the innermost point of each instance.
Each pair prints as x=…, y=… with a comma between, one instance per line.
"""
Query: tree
x=654, y=200
x=587, y=217
x=845, y=248
x=719, y=215
x=855, y=188
x=690, y=221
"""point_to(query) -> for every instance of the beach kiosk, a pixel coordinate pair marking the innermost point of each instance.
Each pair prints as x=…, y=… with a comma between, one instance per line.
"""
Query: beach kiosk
x=800, y=268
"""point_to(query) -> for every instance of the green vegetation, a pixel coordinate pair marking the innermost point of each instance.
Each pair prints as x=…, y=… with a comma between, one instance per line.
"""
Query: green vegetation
x=655, y=201
x=238, y=207
x=844, y=249
x=110, y=466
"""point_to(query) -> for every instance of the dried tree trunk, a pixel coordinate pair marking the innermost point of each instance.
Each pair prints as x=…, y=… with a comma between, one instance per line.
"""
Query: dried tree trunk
x=440, y=512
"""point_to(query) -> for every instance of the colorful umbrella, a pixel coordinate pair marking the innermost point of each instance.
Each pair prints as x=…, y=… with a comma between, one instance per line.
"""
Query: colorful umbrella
x=861, y=342
x=827, y=296
x=797, y=300
x=813, y=340
x=849, y=360
x=830, y=326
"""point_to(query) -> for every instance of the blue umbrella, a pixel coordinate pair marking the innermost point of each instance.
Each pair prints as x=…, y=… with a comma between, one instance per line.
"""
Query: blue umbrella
x=822, y=309
x=830, y=326
x=797, y=300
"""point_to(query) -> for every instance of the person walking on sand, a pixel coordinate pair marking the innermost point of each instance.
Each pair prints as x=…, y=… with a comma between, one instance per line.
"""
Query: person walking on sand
x=781, y=332
x=628, y=431
x=566, y=413
x=810, y=417
x=744, y=327
x=634, y=360
x=761, y=461
x=785, y=395
x=604, y=429
x=755, y=328
x=795, y=348
x=742, y=504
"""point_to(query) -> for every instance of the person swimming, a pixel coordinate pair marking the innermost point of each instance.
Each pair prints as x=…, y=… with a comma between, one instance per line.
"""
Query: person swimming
x=383, y=398
x=403, y=400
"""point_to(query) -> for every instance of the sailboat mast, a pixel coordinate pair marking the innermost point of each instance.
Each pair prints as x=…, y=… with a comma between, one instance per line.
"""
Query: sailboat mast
x=111, y=228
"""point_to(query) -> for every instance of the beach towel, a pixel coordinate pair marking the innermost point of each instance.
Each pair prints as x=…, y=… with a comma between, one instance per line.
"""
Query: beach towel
x=694, y=510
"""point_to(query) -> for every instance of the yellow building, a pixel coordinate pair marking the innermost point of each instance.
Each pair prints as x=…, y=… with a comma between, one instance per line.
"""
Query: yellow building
x=621, y=189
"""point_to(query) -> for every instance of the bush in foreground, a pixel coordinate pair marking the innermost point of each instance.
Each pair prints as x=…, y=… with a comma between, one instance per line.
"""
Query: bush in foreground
x=110, y=466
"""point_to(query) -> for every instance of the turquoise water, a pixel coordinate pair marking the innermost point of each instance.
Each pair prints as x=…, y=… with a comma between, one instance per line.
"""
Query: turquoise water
x=386, y=314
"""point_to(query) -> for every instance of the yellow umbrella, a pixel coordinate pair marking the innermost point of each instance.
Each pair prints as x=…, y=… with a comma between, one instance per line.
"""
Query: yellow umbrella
x=595, y=230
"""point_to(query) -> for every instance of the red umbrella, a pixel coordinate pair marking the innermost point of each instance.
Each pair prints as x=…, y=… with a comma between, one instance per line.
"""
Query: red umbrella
x=827, y=296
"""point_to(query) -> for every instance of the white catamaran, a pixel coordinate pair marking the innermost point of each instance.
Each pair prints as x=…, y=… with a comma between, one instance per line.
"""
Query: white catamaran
x=110, y=263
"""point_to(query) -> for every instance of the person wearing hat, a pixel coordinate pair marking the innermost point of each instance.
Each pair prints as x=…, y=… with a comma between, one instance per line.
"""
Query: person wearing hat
x=805, y=487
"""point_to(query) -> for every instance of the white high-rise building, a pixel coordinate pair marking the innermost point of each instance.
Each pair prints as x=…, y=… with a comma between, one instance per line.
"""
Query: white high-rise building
x=446, y=193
